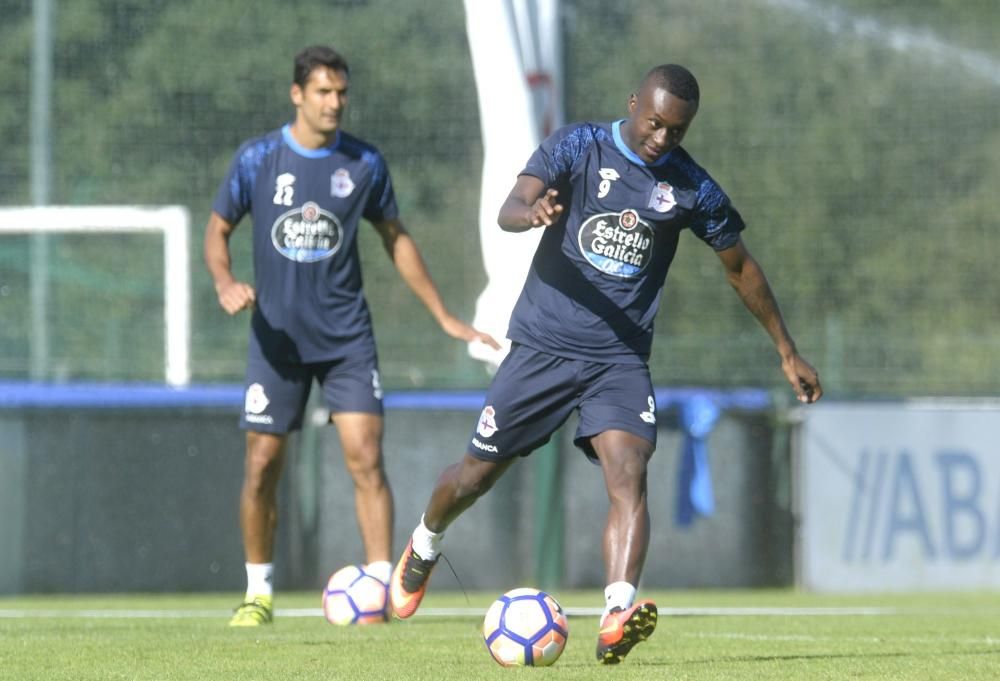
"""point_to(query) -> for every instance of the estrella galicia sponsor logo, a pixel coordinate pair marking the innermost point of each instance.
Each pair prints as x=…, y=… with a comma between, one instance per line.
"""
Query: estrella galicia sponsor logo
x=492, y=449
x=619, y=244
x=307, y=234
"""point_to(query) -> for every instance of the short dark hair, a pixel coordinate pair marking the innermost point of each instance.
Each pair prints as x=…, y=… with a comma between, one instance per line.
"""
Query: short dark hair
x=676, y=80
x=313, y=57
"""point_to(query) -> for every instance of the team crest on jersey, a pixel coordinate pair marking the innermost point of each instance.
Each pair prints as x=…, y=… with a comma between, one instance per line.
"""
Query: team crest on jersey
x=341, y=184
x=662, y=199
x=487, y=422
x=619, y=244
x=628, y=219
x=307, y=234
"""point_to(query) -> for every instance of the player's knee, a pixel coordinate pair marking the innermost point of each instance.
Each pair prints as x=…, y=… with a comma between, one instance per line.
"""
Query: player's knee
x=629, y=462
x=365, y=465
x=263, y=462
x=626, y=474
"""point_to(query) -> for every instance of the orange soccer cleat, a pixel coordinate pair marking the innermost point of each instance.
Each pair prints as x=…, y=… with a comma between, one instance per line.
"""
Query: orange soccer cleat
x=409, y=582
x=622, y=629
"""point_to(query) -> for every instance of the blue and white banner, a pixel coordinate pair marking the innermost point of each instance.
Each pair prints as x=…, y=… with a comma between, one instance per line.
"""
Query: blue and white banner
x=897, y=497
x=515, y=48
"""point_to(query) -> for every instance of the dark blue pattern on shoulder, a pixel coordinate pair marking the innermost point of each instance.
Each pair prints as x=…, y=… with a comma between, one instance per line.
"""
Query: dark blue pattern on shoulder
x=574, y=143
x=370, y=156
x=357, y=148
x=717, y=222
x=249, y=160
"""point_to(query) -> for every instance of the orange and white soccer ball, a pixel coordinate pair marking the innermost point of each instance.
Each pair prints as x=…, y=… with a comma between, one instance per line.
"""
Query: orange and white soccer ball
x=525, y=628
x=354, y=596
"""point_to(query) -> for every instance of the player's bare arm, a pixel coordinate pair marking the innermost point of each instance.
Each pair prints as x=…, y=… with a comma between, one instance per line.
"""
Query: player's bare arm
x=528, y=205
x=748, y=280
x=403, y=251
x=234, y=295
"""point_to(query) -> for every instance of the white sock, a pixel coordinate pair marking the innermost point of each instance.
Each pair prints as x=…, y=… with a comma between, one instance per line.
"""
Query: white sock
x=259, y=578
x=427, y=544
x=618, y=595
x=382, y=569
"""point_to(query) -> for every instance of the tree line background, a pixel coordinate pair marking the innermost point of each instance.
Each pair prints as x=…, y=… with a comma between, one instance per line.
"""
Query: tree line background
x=859, y=138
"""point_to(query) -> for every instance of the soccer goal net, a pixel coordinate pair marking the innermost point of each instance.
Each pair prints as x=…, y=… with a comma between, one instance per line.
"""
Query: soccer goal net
x=95, y=293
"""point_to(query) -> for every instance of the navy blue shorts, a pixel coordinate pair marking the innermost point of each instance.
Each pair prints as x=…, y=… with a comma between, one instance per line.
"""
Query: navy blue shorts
x=276, y=393
x=533, y=393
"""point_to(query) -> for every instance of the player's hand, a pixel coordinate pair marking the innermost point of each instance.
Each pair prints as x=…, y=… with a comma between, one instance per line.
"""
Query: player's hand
x=456, y=328
x=545, y=210
x=235, y=296
x=803, y=377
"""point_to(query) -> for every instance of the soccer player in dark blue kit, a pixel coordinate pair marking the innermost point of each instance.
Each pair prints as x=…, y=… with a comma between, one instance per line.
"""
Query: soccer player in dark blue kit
x=307, y=185
x=612, y=199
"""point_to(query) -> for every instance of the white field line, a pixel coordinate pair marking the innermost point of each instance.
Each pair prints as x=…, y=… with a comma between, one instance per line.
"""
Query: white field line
x=29, y=613
x=115, y=613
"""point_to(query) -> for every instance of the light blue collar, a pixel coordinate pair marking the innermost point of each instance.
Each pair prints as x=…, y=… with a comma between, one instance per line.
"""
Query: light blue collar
x=322, y=152
x=616, y=133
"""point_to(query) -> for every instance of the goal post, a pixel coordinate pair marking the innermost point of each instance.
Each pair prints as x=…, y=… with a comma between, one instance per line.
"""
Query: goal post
x=173, y=222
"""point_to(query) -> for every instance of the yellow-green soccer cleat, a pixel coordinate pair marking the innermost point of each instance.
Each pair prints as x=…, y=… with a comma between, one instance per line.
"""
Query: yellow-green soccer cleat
x=622, y=629
x=254, y=612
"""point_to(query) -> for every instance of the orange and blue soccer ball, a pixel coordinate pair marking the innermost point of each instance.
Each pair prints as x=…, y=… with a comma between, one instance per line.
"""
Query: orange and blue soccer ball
x=353, y=596
x=525, y=628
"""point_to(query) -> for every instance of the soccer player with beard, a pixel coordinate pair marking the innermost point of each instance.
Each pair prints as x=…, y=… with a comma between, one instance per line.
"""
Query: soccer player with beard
x=307, y=185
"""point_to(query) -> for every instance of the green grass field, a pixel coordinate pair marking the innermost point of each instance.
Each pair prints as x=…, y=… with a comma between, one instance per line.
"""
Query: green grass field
x=729, y=635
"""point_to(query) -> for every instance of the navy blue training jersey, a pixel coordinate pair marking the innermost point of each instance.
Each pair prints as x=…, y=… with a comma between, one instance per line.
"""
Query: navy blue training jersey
x=306, y=205
x=594, y=285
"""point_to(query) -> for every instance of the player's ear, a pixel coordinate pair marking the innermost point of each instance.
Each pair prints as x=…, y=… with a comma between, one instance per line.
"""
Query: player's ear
x=633, y=102
x=296, y=94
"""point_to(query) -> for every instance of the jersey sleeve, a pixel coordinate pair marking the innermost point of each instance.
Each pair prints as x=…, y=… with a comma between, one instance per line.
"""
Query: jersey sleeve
x=381, y=203
x=232, y=201
x=555, y=156
x=716, y=221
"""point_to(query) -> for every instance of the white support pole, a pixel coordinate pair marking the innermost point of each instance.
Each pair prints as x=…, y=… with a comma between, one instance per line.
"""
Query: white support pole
x=516, y=93
x=40, y=133
x=177, y=295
